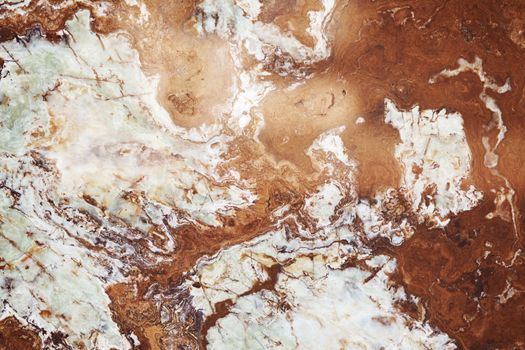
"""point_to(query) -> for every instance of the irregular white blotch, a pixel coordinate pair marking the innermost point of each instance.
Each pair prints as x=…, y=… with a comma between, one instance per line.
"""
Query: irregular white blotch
x=91, y=113
x=135, y=339
x=45, y=269
x=111, y=135
x=325, y=310
x=330, y=142
x=359, y=120
x=249, y=91
x=321, y=205
x=20, y=7
x=501, y=196
x=315, y=303
x=144, y=13
x=318, y=22
x=234, y=271
x=507, y=293
x=14, y=6
x=436, y=158
x=237, y=19
x=251, y=7
x=329, y=155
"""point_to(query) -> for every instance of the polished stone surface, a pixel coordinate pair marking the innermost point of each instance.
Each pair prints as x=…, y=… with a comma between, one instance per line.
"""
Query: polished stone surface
x=276, y=174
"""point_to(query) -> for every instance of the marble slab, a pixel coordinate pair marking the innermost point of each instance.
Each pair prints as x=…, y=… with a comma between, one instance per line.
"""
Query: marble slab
x=262, y=174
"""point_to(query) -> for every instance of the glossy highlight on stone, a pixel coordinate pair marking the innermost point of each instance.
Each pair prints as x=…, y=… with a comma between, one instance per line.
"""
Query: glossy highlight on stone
x=262, y=174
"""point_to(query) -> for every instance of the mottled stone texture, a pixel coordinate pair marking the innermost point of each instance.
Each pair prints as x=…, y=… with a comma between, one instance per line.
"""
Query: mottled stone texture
x=243, y=174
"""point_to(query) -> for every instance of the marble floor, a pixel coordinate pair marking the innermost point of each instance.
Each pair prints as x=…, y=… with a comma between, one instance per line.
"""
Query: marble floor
x=262, y=174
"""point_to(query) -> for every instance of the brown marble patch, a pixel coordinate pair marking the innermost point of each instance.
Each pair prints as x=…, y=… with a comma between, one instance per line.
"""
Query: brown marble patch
x=14, y=335
x=463, y=273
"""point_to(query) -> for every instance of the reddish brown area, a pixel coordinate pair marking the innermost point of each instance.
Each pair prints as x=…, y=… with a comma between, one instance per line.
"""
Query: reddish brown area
x=463, y=281
x=137, y=315
x=391, y=49
x=14, y=335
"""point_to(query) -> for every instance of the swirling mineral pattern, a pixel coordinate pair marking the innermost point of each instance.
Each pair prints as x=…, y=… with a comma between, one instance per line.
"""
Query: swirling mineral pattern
x=262, y=174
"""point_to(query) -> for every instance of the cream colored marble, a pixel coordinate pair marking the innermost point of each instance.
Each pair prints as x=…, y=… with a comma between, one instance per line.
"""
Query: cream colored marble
x=436, y=159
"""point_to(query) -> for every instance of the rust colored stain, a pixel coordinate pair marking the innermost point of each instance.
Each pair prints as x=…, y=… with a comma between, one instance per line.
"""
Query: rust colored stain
x=14, y=335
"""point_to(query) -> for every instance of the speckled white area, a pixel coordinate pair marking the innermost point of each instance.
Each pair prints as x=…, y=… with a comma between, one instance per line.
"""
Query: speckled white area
x=315, y=303
x=238, y=19
x=436, y=159
x=362, y=315
x=44, y=268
